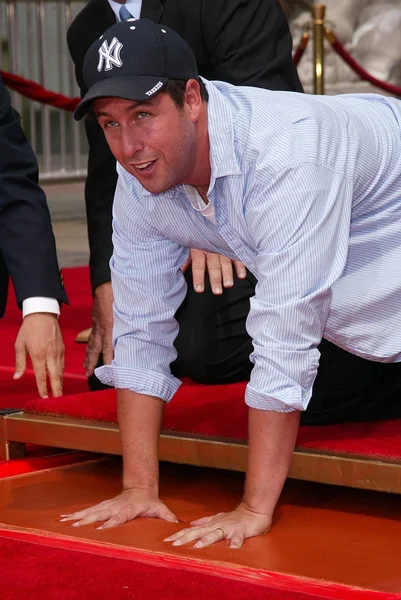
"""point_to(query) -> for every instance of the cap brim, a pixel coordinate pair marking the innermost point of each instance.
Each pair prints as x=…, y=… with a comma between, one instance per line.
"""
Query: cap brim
x=138, y=87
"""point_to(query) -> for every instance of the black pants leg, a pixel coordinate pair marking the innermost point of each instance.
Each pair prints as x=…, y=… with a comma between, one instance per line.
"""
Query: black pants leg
x=350, y=388
x=213, y=345
x=95, y=385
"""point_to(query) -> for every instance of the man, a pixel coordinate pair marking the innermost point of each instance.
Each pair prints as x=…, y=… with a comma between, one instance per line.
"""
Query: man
x=243, y=42
x=28, y=255
x=306, y=191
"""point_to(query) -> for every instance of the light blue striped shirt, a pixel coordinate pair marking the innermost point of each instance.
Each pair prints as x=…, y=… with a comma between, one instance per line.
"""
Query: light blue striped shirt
x=307, y=194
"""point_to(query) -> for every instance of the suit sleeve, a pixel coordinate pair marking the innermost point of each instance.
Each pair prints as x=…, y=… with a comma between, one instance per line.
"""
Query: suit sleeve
x=99, y=194
x=26, y=238
x=100, y=183
x=249, y=43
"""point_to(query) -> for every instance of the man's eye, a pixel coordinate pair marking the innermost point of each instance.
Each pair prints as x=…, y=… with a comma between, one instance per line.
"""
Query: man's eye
x=142, y=114
x=109, y=124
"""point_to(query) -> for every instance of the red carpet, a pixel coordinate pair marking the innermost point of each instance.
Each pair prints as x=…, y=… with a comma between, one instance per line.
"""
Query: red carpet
x=203, y=410
x=67, y=570
x=73, y=319
x=15, y=394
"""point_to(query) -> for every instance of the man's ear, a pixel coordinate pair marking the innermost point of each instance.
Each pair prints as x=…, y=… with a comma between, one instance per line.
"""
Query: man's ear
x=193, y=99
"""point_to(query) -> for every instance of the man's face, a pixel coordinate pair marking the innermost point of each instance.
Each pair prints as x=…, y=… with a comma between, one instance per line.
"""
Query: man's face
x=155, y=141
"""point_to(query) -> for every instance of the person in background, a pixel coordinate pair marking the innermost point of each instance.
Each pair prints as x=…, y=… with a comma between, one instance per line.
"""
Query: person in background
x=28, y=255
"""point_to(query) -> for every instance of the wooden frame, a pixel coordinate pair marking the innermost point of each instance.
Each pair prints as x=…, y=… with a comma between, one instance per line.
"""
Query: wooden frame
x=369, y=473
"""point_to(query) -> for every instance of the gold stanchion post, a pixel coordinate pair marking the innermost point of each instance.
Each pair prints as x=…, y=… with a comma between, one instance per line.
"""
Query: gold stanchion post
x=318, y=14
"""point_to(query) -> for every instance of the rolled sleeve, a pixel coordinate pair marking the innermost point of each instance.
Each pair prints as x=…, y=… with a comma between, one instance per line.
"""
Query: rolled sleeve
x=148, y=288
x=136, y=380
x=302, y=250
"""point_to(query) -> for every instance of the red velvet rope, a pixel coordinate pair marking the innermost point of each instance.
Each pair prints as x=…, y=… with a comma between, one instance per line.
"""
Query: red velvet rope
x=298, y=54
x=34, y=91
x=351, y=62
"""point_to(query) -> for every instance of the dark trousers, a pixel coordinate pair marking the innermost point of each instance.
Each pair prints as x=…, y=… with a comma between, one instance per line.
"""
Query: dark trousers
x=213, y=348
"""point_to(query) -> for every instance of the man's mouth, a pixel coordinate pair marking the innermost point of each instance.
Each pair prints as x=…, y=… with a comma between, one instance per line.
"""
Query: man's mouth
x=143, y=167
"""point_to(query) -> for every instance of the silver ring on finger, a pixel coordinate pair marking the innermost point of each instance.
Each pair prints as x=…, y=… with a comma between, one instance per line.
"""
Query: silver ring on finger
x=222, y=531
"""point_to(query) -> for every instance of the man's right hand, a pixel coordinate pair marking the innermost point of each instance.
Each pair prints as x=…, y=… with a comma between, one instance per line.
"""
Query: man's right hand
x=100, y=340
x=129, y=505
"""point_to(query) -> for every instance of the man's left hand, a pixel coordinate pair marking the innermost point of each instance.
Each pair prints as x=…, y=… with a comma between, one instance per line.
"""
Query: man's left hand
x=220, y=269
x=234, y=526
x=40, y=337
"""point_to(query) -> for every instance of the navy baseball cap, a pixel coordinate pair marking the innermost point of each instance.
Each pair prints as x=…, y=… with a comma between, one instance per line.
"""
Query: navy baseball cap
x=134, y=59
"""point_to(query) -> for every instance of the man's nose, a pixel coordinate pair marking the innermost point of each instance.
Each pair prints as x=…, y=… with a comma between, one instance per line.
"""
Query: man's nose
x=132, y=143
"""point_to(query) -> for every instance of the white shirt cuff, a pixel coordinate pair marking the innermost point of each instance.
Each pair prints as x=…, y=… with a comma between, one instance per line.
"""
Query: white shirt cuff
x=40, y=304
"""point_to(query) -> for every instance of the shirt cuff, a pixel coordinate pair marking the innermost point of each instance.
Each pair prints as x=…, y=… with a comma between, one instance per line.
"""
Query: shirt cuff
x=295, y=400
x=139, y=381
x=39, y=304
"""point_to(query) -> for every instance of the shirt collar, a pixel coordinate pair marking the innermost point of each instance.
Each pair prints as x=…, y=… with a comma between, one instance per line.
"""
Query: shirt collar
x=133, y=6
x=223, y=160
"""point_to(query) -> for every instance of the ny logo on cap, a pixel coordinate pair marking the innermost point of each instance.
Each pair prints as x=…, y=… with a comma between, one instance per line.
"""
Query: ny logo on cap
x=110, y=55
